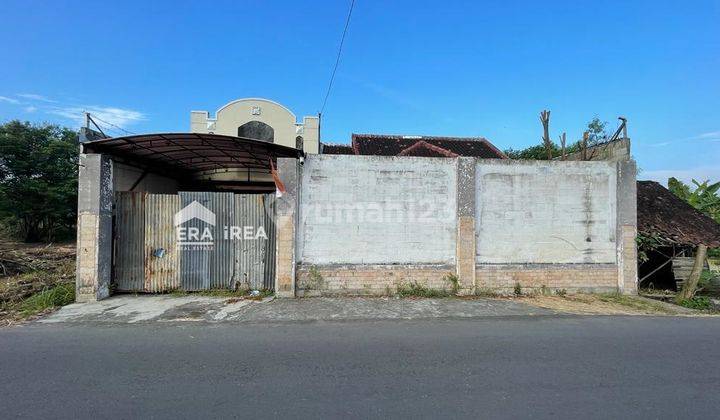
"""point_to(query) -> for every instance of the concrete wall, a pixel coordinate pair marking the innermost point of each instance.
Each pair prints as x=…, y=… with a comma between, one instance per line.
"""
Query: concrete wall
x=125, y=177
x=236, y=113
x=377, y=210
x=545, y=212
x=486, y=224
x=614, y=151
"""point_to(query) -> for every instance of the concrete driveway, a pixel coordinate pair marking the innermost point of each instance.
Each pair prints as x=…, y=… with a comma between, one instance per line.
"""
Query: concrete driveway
x=132, y=309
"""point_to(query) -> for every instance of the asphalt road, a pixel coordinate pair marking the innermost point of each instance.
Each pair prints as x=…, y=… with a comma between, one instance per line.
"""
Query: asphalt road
x=519, y=367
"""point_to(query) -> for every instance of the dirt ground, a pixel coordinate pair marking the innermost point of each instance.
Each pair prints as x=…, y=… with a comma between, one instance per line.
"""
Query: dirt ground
x=586, y=304
x=26, y=269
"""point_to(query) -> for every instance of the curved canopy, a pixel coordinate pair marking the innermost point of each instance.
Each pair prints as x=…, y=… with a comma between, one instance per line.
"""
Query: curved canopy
x=192, y=152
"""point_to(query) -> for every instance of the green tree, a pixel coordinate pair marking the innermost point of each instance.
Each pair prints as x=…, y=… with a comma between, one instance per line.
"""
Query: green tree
x=38, y=179
x=596, y=132
x=704, y=197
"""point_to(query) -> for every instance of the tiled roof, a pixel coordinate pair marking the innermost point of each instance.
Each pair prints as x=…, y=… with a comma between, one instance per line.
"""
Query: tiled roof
x=336, y=149
x=394, y=145
x=423, y=148
x=660, y=213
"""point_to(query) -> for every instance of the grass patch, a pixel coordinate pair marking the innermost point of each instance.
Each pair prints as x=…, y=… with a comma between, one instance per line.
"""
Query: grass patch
x=486, y=292
x=698, y=302
x=415, y=289
x=59, y=295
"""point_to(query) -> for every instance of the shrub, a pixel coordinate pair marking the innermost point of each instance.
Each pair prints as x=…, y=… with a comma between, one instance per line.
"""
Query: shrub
x=454, y=283
x=698, y=302
x=415, y=289
x=518, y=289
x=60, y=295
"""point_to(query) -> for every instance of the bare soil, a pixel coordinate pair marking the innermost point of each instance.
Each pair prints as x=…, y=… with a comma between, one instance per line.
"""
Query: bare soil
x=608, y=304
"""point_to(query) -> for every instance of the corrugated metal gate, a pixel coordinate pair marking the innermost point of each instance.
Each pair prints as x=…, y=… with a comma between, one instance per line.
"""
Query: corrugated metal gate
x=149, y=257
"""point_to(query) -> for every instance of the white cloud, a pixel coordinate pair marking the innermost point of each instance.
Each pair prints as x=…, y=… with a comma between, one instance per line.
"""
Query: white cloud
x=701, y=173
x=9, y=100
x=711, y=135
x=30, y=109
x=664, y=143
x=117, y=116
x=35, y=97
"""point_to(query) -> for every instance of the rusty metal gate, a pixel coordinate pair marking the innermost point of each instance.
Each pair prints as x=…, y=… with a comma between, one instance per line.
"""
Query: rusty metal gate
x=161, y=245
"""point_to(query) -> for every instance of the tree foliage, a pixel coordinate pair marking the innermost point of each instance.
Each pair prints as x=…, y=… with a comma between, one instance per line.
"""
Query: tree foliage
x=537, y=152
x=38, y=179
x=596, y=134
x=704, y=197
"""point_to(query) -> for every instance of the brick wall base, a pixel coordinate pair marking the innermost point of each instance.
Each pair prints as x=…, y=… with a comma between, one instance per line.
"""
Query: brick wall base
x=382, y=280
x=628, y=270
x=369, y=280
x=91, y=283
x=593, y=278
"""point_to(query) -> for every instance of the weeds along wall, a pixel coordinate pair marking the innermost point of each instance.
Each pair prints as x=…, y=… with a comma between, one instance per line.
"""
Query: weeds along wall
x=371, y=224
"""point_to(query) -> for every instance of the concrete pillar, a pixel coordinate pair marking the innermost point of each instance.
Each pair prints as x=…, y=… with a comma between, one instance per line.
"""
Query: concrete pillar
x=626, y=227
x=311, y=134
x=94, y=228
x=465, y=251
x=286, y=219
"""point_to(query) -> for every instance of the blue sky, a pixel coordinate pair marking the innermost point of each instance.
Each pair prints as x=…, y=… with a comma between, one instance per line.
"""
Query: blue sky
x=435, y=68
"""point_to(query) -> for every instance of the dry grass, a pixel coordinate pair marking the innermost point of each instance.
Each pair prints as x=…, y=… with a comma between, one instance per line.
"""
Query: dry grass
x=604, y=304
x=34, y=278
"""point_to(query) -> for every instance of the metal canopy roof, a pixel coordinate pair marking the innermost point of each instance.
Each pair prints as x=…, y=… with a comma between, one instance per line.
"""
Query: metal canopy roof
x=192, y=152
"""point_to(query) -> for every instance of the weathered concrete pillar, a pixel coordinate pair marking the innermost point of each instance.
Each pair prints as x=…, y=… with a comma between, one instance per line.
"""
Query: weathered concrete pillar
x=626, y=227
x=94, y=228
x=465, y=251
x=286, y=218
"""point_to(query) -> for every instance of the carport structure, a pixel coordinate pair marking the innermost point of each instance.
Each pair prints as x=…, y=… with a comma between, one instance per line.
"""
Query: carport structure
x=129, y=190
x=197, y=161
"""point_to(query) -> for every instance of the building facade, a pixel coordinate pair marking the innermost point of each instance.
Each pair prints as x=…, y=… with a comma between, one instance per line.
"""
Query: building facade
x=260, y=119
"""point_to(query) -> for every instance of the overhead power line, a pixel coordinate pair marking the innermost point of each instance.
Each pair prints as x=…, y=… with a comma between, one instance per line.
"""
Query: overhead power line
x=337, y=60
x=95, y=117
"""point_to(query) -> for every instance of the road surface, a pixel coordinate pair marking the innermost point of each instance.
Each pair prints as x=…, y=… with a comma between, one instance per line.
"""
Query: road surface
x=502, y=367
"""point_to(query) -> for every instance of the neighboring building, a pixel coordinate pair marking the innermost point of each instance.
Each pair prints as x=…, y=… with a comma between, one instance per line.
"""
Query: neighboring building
x=259, y=119
x=676, y=228
x=427, y=146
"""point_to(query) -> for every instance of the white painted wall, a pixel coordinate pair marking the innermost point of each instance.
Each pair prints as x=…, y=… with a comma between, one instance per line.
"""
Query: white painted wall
x=377, y=210
x=545, y=212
